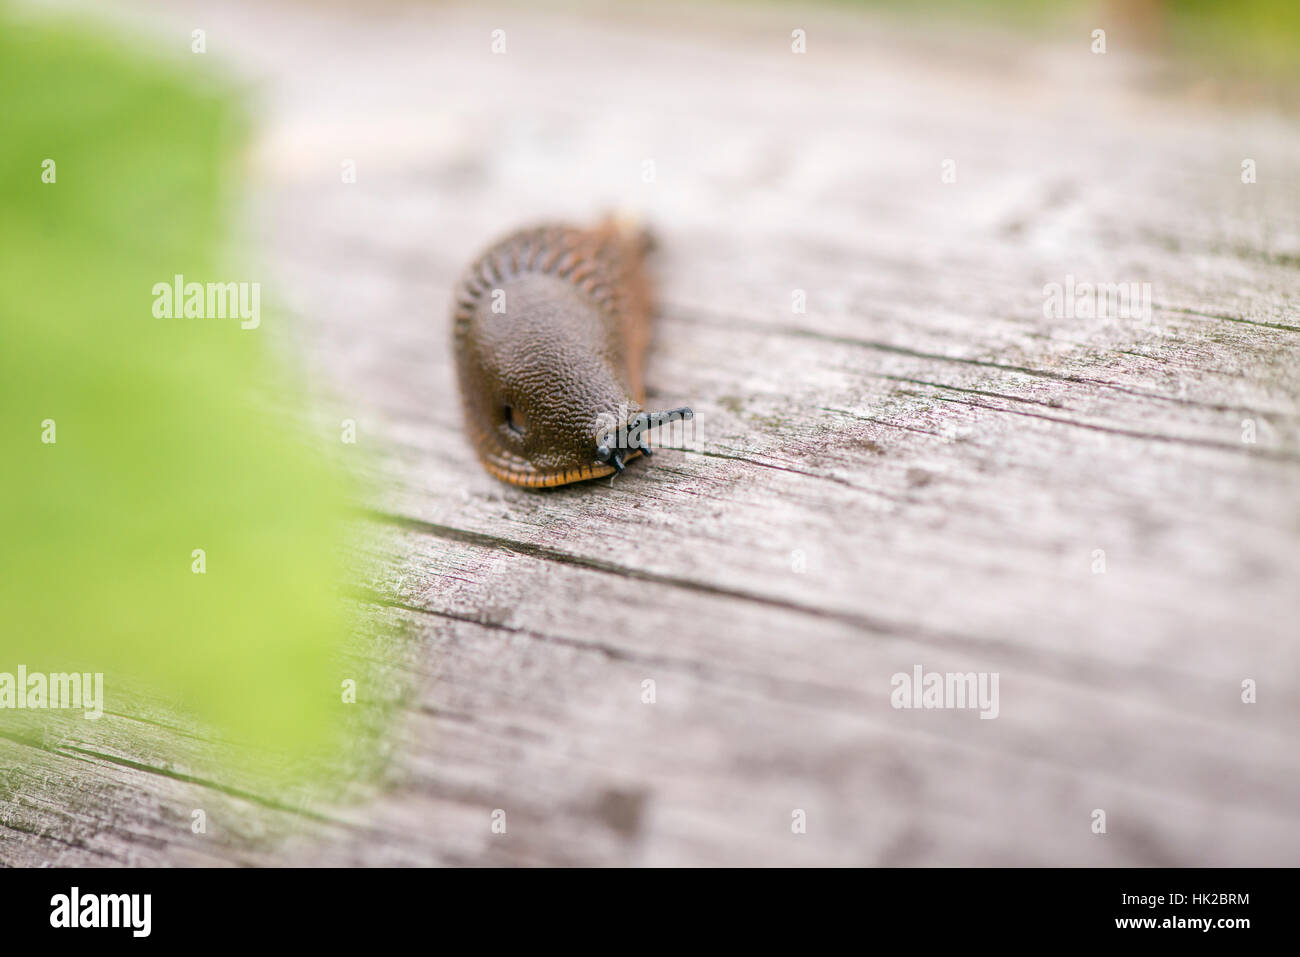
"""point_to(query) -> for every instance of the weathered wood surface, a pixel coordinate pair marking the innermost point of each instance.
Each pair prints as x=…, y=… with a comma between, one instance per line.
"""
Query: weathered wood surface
x=919, y=469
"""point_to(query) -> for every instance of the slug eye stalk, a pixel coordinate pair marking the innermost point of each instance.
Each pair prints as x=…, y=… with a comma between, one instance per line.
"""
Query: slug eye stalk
x=633, y=435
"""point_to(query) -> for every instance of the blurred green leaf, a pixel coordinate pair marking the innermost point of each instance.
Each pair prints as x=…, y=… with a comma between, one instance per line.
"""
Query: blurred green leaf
x=164, y=443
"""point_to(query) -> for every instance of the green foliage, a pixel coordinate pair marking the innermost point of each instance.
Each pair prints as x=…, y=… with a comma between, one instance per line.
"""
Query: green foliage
x=1242, y=37
x=1255, y=35
x=164, y=443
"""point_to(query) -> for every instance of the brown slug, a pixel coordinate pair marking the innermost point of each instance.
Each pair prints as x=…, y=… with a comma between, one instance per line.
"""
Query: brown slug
x=550, y=327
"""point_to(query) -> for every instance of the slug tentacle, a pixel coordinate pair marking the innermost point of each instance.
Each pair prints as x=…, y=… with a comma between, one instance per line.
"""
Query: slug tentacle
x=550, y=328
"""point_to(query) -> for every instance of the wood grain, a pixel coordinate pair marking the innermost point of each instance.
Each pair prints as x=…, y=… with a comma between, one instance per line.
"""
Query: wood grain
x=917, y=470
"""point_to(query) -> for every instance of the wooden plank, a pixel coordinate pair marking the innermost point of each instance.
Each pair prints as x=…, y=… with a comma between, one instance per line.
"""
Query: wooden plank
x=917, y=470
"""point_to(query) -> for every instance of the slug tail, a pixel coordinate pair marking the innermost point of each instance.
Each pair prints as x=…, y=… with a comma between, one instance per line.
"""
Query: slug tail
x=632, y=228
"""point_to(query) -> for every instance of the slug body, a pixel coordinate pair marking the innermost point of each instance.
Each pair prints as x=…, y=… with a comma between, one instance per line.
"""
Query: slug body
x=550, y=329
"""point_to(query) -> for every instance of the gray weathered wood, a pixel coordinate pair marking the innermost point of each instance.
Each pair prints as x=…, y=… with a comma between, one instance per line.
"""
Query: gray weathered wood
x=918, y=469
